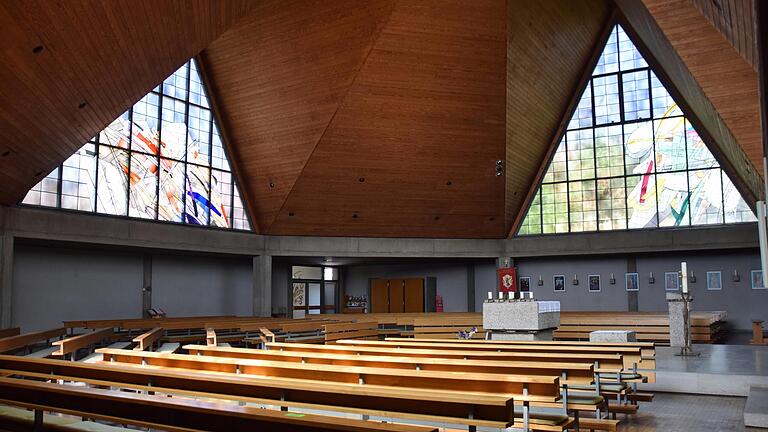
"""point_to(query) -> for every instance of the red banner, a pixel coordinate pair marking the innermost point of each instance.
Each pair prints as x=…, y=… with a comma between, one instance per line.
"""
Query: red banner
x=507, y=279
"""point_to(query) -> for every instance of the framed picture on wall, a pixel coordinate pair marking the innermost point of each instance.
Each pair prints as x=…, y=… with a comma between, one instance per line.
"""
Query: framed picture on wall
x=558, y=281
x=632, y=282
x=714, y=281
x=594, y=283
x=525, y=284
x=757, y=279
x=671, y=281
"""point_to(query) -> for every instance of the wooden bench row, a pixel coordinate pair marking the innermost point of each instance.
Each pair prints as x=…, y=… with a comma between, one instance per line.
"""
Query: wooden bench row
x=159, y=412
x=447, y=406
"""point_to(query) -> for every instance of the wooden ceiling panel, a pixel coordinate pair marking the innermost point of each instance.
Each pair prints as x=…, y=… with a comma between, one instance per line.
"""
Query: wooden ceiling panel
x=279, y=77
x=735, y=20
x=716, y=83
x=67, y=69
x=549, y=47
x=412, y=148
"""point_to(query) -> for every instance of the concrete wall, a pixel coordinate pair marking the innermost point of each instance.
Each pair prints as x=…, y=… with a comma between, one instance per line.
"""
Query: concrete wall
x=281, y=274
x=53, y=284
x=185, y=285
x=737, y=298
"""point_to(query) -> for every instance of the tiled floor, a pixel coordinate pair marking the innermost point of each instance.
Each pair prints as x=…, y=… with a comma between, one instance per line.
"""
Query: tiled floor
x=679, y=412
x=716, y=359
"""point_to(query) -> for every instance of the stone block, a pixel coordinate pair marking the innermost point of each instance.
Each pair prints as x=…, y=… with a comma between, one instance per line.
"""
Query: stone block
x=543, y=335
x=613, y=336
x=521, y=315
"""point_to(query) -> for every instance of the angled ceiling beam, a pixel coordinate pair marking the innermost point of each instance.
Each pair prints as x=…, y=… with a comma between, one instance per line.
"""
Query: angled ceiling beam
x=688, y=93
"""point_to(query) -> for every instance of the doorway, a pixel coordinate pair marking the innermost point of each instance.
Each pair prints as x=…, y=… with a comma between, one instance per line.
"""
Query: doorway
x=314, y=290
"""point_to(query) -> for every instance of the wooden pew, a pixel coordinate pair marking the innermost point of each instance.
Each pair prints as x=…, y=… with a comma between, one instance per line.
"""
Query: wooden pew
x=445, y=406
x=360, y=330
x=158, y=412
x=606, y=362
x=647, y=349
x=540, y=388
x=71, y=344
x=631, y=355
x=8, y=332
x=575, y=373
x=12, y=343
x=144, y=341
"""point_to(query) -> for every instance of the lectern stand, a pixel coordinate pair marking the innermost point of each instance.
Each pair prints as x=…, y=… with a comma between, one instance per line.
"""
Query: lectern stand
x=680, y=322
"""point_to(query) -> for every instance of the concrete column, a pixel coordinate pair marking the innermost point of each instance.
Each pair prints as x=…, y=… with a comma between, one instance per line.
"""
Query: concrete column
x=6, y=280
x=471, y=287
x=503, y=262
x=262, y=285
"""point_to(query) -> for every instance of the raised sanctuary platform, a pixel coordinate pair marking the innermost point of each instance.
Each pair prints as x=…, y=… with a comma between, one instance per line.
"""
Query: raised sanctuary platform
x=721, y=370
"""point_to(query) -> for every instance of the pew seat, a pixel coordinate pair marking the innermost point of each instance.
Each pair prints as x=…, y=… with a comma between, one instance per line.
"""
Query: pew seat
x=169, y=347
x=43, y=353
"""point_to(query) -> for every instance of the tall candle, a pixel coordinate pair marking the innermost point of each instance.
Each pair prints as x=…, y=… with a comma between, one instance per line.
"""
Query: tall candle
x=684, y=271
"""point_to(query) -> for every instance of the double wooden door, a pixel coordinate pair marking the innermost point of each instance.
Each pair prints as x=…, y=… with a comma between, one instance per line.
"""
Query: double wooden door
x=397, y=295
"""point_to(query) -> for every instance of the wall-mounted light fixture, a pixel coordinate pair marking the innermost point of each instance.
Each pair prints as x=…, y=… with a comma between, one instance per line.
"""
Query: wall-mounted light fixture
x=575, y=279
x=692, y=277
x=736, y=277
x=541, y=281
x=651, y=279
x=612, y=280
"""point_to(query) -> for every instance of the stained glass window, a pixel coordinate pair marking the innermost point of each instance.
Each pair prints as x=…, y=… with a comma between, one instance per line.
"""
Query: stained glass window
x=629, y=159
x=163, y=159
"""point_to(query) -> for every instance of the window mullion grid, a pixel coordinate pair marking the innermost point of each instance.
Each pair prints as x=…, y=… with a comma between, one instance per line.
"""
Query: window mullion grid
x=130, y=159
x=687, y=173
x=186, y=181
x=594, y=172
x=59, y=185
x=159, y=150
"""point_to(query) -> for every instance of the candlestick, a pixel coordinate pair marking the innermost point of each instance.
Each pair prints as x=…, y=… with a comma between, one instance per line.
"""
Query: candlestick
x=684, y=271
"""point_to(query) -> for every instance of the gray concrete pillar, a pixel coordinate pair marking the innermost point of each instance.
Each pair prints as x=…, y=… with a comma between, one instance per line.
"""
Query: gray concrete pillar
x=6, y=280
x=262, y=285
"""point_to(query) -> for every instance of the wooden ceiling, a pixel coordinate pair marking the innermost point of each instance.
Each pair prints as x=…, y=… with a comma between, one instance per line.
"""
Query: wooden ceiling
x=381, y=118
x=549, y=48
x=377, y=118
x=717, y=85
x=68, y=68
x=735, y=20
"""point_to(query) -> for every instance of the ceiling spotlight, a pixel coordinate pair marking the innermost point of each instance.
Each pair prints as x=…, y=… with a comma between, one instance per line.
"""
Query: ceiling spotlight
x=499, y=168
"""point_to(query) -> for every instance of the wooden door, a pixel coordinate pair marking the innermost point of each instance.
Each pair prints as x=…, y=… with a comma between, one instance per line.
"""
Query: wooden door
x=397, y=295
x=379, y=296
x=414, y=295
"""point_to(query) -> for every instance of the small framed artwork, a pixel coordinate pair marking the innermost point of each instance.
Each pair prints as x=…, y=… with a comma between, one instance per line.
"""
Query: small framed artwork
x=594, y=283
x=671, y=281
x=714, y=281
x=558, y=282
x=525, y=284
x=632, y=282
x=757, y=279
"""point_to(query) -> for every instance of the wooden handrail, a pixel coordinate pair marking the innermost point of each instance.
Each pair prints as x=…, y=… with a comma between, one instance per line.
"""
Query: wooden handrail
x=15, y=342
x=480, y=409
x=159, y=411
x=74, y=343
x=145, y=340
